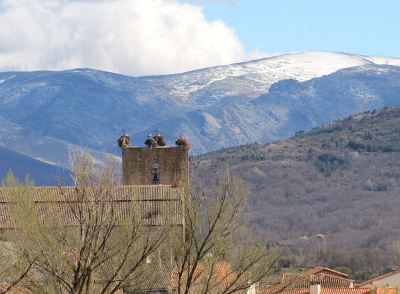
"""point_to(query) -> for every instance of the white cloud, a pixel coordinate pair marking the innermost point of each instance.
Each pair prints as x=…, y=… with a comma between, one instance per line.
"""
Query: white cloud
x=133, y=37
x=230, y=2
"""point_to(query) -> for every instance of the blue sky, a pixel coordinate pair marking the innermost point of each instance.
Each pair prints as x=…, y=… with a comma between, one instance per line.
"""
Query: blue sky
x=370, y=27
x=149, y=37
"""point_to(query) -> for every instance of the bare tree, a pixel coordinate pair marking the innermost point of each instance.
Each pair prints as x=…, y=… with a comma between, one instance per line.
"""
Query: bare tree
x=218, y=253
x=79, y=239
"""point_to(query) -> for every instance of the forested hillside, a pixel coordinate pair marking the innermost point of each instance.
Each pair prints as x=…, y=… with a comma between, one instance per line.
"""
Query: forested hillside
x=331, y=195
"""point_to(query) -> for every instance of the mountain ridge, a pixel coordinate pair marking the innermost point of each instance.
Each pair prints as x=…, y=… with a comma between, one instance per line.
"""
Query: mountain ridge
x=41, y=172
x=214, y=107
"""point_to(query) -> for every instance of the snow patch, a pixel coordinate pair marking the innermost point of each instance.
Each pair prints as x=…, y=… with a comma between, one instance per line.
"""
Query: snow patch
x=211, y=123
x=44, y=161
x=384, y=60
x=4, y=80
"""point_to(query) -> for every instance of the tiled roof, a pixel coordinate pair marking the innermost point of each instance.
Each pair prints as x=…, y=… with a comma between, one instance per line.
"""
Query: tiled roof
x=375, y=279
x=386, y=290
x=323, y=291
x=325, y=271
x=158, y=205
x=345, y=291
x=14, y=290
x=293, y=283
x=286, y=291
x=304, y=281
x=222, y=273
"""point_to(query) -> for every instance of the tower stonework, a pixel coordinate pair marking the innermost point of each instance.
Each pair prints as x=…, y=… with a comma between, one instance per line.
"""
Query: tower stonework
x=160, y=165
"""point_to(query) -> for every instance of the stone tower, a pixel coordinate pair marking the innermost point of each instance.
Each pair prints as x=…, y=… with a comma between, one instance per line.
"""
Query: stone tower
x=155, y=164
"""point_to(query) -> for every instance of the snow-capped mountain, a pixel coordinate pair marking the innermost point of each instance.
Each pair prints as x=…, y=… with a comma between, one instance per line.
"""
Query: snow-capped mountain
x=383, y=60
x=45, y=114
x=250, y=79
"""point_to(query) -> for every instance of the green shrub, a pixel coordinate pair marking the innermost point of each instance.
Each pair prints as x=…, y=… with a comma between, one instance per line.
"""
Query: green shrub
x=327, y=163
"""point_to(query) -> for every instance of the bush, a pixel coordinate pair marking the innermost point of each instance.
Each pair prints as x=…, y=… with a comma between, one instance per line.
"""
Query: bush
x=327, y=163
x=372, y=146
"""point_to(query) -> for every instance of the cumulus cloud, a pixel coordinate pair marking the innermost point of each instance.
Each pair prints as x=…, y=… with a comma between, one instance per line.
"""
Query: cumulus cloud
x=230, y=2
x=136, y=37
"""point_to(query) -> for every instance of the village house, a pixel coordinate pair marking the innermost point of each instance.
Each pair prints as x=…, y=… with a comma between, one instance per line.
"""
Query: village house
x=322, y=280
x=391, y=279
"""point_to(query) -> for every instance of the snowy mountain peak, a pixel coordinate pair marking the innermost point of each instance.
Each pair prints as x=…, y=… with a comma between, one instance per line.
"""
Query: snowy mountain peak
x=384, y=60
x=258, y=75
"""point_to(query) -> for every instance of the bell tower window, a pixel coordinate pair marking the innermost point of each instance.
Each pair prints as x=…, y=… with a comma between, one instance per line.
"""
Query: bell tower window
x=155, y=170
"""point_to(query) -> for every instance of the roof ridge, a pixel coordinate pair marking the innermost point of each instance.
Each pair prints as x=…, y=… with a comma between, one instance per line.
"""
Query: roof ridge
x=371, y=280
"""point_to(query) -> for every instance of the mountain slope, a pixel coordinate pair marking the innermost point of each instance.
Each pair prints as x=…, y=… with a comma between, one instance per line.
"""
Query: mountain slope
x=29, y=142
x=42, y=173
x=341, y=180
x=290, y=106
x=216, y=107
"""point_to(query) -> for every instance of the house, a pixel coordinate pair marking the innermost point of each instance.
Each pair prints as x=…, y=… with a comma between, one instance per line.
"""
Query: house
x=391, y=279
x=326, y=277
x=317, y=289
x=318, y=280
x=322, y=280
x=221, y=278
x=324, y=271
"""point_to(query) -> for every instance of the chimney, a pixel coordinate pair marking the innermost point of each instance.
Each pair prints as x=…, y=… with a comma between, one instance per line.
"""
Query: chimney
x=315, y=289
x=251, y=289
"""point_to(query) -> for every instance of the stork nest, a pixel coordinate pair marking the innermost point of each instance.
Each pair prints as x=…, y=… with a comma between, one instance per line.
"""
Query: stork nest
x=182, y=142
x=150, y=142
x=160, y=140
x=124, y=141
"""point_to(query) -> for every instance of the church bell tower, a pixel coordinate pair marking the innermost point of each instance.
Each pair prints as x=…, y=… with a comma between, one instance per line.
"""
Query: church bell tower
x=156, y=163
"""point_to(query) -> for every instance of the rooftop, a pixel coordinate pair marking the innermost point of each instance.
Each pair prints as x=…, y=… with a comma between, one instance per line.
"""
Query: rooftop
x=158, y=204
x=375, y=279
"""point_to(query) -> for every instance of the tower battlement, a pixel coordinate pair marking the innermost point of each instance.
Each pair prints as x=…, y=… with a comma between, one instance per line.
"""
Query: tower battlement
x=155, y=164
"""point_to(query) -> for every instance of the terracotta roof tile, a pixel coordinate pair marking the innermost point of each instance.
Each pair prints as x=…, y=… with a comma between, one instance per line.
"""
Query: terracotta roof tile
x=222, y=273
x=304, y=281
x=325, y=271
x=323, y=291
x=14, y=290
x=345, y=291
x=287, y=291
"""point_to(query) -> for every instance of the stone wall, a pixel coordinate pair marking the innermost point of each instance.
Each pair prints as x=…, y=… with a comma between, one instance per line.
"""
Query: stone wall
x=137, y=165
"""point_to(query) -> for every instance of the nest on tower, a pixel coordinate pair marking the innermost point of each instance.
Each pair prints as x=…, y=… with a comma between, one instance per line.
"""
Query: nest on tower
x=150, y=142
x=182, y=142
x=124, y=141
x=160, y=139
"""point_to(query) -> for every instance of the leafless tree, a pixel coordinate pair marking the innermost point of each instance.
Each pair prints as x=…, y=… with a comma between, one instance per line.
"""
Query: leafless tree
x=218, y=253
x=79, y=240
